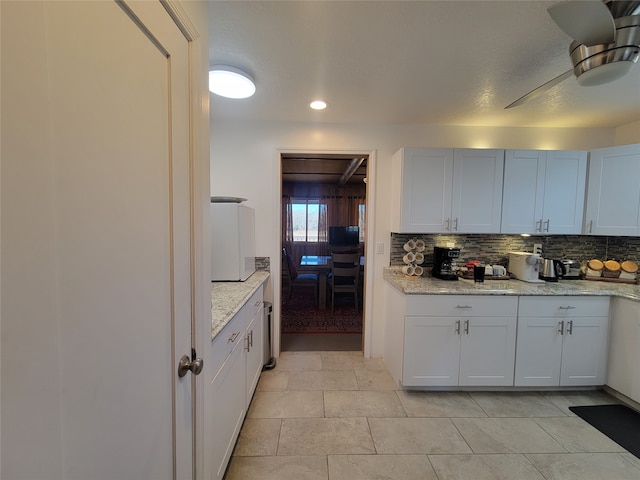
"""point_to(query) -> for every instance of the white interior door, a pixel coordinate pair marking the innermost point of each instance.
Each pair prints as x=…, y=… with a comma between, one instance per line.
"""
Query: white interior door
x=103, y=265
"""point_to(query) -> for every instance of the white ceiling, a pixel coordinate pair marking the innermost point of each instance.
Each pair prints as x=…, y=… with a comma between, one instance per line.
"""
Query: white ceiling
x=408, y=62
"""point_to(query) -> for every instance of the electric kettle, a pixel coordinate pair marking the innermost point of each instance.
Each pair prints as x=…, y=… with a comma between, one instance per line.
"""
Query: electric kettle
x=552, y=269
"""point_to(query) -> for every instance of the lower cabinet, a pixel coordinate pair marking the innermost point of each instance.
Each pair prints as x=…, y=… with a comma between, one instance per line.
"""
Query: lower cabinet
x=623, y=373
x=562, y=341
x=237, y=362
x=459, y=340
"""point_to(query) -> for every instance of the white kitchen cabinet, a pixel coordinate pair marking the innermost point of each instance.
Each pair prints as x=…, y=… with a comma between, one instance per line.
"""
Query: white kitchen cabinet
x=562, y=341
x=459, y=340
x=623, y=374
x=613, y=191
x=438, y=190
x=237, y=363
x=543, y=191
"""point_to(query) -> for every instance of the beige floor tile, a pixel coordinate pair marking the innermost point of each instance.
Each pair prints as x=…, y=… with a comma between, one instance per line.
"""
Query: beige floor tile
x=576, y=435
x=508, y=404
x=289, y=361
x=324, y=436
x=277, y=468
x=373, y=403
x=273, y=381
x=631, y=458
x=286, y=405
x=374, y=380
x=506, y=435
x=323, y=380
x=584, y=466
x=349, y=361
x=387, y=467
x=259, y=436
x=564, y=400
x=440, y=404
x=484, y=467
x=416, y=436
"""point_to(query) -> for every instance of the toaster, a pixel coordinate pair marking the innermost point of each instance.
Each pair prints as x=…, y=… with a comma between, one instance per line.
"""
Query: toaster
x=572, y=270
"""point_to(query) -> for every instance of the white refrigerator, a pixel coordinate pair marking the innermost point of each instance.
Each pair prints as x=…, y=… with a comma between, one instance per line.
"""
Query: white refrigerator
x=233, y=246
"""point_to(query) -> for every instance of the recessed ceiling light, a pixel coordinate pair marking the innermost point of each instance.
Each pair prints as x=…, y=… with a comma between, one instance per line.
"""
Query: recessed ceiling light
x=318, y=104
x=230, y=82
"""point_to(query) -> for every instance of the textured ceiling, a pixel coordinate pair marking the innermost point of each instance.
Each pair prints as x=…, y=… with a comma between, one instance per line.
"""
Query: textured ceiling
x=417, y=62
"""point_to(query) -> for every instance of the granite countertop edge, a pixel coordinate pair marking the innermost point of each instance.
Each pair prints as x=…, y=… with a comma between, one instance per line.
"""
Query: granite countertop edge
x=227, y=298
x=433, y=286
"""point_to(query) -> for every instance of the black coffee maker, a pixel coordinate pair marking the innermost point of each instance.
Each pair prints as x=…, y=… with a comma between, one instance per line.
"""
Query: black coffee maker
x=443, y=258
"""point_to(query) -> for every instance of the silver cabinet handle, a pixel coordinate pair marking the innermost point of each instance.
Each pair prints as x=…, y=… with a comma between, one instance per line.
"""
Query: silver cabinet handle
x=448, y=222
x=455, y=225
x=458, y=327
x=568, y=307
x=464, y=306
x=590, y=226
x=546, y=228
x=257, y=304
x=466, y=327
x=233, y=337
x=251, y=338
x=247, y=346
x=570, y=327
x=561, y=327
x=539, y=226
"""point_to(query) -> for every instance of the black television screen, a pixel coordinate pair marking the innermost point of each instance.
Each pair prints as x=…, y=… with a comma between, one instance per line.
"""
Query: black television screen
x=344, y=236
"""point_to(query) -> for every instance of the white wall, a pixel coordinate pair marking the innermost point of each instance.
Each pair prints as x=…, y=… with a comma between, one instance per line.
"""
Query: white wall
x=245, y=163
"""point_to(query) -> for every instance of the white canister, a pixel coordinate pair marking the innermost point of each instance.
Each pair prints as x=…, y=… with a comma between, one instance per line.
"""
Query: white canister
x=410, y=245
x=409, y=258
x=408, y=270
x=419, y=258
x=418, y=271
x=420, y=246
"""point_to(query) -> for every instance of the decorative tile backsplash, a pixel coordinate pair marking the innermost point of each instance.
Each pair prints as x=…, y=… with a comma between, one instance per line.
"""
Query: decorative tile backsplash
x=263, y=263
x=495, y=248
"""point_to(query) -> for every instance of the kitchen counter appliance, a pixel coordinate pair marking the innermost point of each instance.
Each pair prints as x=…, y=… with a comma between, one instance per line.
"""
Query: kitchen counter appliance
x=572, y=270
x=525, y=266
x=443, y=258
x=552, y=270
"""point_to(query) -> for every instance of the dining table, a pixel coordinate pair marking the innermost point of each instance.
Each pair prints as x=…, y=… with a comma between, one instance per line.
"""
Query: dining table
x=320, y=265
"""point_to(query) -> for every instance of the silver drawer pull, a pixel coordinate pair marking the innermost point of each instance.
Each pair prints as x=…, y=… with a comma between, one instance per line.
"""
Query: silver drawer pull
x=561, y=327
x=233, y=337
x=257, y=304
x=568, y=307
x=464, y=306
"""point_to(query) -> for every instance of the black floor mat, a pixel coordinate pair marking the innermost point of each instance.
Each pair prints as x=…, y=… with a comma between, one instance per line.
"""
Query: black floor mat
x=618, y=422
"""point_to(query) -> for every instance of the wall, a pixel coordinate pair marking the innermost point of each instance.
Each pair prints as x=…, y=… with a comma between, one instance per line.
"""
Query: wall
x=245, y=163
x=628, y=134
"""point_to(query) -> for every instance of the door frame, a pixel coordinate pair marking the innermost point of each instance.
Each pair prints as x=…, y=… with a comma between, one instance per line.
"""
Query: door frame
x=276, y=274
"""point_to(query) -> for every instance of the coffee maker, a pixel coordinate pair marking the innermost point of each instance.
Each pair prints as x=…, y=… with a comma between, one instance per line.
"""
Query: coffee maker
x=443, y=258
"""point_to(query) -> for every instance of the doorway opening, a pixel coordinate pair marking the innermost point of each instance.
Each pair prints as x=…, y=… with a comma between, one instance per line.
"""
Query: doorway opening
x=323, y=214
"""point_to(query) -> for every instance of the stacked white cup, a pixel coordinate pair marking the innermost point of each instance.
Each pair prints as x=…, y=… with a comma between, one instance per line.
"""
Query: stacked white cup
x=413, y=258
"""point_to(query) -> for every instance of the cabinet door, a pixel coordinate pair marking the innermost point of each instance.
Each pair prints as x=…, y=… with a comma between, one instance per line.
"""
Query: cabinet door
x=564, y=189
x=523, y=191
x=228, y=401
x=613, y=193
x=584, y=351
x=487, y=352
x=253, y=346
x=635, y=380
x=431, y=351
x=477, y=191
x=624, y=347
x=539, y=351
x=425, y=189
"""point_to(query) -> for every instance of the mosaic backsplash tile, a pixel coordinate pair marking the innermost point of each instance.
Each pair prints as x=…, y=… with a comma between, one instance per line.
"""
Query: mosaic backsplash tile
x=263, y=263
x=495, y=248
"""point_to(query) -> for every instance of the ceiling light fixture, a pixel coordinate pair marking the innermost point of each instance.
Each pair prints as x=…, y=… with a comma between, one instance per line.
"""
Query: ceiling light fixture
x=318, y=104
x=230, y=82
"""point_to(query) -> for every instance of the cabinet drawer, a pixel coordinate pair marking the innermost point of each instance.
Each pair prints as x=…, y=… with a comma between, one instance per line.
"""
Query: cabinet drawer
x=462, y=305
x=249, y=309
x=225, y=341
x=564, y=306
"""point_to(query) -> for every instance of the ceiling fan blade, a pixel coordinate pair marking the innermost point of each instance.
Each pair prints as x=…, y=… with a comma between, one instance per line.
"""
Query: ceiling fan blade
x=586, y=21
x=541, y=89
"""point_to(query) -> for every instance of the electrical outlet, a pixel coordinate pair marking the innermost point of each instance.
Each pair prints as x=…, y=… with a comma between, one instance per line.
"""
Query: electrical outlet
x=537, y=248
x=379, y=247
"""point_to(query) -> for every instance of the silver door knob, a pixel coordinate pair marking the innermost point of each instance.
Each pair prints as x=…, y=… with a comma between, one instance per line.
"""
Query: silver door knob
x=185, y=365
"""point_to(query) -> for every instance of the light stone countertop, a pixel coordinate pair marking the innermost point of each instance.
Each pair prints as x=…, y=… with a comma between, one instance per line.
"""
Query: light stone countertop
x=434, y=286
x=227, y=298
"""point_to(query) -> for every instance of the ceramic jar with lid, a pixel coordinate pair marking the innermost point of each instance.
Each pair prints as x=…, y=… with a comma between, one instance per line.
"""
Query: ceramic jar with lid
x=611, y=269
x=628, y=270
x=594, y=268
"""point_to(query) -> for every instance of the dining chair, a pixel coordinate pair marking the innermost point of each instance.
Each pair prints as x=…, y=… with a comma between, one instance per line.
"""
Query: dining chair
x=295, y=279
x=345, y=272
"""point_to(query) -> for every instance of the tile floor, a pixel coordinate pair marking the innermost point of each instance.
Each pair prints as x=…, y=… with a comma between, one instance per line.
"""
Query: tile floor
x=339, y=416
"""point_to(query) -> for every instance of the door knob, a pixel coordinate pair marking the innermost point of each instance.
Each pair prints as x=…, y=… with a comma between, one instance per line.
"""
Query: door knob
x=185, y=365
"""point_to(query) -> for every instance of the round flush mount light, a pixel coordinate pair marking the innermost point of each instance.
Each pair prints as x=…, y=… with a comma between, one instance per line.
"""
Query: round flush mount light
x=318, y=104
x=230, y=82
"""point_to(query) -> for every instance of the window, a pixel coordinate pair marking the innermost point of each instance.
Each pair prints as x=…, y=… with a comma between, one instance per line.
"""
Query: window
x=361, y=221
x=306, y=220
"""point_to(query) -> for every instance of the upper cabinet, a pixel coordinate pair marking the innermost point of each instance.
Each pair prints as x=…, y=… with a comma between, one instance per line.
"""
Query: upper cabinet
x=613, y=191
x=543, y=191
x=443, y=190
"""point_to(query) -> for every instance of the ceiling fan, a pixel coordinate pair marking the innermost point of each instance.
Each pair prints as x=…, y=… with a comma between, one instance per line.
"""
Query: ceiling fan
x=606, y=41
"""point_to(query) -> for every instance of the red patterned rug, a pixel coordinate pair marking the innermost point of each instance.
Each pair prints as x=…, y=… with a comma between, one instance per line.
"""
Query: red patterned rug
x=301, y=315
